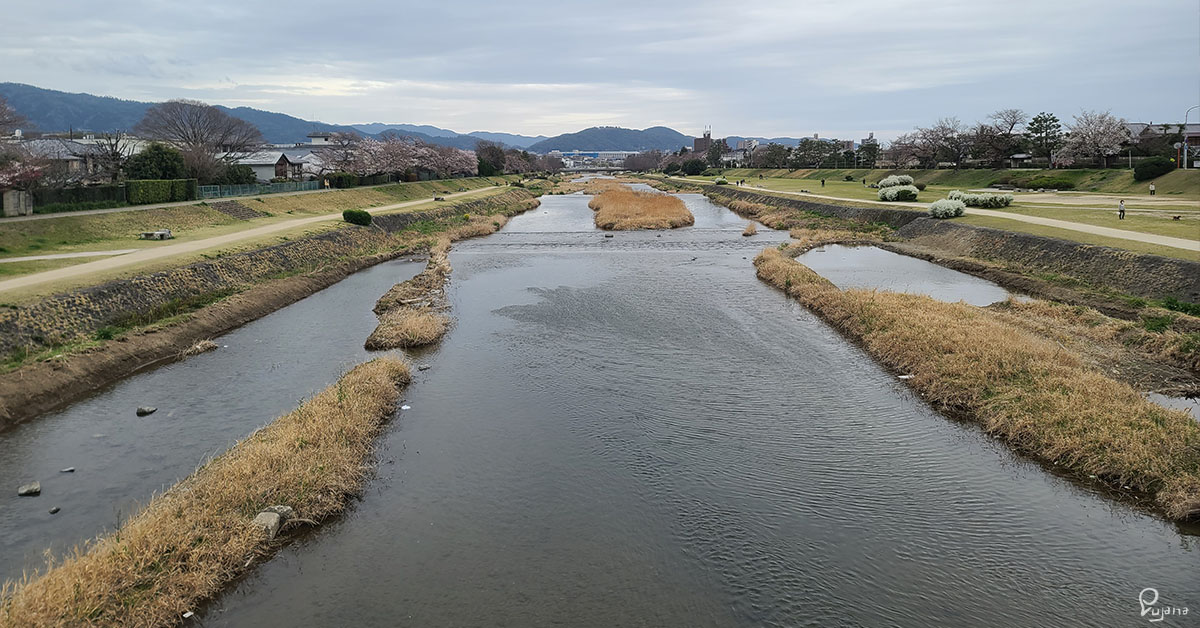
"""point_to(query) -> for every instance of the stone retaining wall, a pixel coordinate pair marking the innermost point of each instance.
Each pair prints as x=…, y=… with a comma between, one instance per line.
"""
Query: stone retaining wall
x=80, y=313
x=516, y=199
x=893, y=217
x=1127, y=272
x=1138, y=274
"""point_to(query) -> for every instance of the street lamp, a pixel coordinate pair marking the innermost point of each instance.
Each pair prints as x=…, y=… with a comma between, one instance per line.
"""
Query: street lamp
x=1185, y=135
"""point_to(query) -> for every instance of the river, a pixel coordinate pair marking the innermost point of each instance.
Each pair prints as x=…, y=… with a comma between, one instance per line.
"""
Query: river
x=634, y=431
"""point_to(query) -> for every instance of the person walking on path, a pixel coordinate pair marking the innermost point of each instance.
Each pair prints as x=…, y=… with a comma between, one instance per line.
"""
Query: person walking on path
x=822, y=182
x=1121, y=210
x=1151, y=189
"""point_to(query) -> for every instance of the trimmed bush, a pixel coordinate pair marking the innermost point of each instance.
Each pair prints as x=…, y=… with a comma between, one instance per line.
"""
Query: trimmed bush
x=1050, y=183
x=357, y=217
x=848, y=177
x=919, y=186
x=721, y=181
x=1152, y=167
x=145, y=191
x=898, y=193
x=946, y=208
x=985, y=199
x=895, y=180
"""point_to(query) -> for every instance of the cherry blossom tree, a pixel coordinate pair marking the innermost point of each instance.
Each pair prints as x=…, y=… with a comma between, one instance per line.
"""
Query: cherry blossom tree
x=1094, y=134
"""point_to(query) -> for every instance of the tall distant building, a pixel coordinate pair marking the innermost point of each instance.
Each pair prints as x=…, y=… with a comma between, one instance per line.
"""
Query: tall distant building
x=702, y=144
x=869, y=139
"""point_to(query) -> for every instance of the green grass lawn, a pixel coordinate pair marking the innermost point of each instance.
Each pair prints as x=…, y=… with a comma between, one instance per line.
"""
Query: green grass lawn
x=1183, y=184
x=1155, y=219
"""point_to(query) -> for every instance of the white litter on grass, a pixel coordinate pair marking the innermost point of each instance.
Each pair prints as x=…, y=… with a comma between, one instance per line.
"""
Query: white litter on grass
x=406, y=407
x=188, y=614
x=906, y=377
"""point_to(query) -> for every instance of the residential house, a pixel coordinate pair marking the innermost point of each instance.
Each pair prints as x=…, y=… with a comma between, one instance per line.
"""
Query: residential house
x=269, y=165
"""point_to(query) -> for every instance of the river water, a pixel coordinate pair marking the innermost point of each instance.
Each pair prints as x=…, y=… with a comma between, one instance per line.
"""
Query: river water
x=634, y=431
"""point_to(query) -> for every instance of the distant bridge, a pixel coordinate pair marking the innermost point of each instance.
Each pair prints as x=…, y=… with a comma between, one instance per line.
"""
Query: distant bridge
x=595, y=169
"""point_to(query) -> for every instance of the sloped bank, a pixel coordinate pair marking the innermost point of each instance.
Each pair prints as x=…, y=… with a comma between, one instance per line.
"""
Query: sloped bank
x=213, y=297
x=1126, y=272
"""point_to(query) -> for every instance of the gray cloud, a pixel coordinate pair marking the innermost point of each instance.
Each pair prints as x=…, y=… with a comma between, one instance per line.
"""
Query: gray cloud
x=840, y=68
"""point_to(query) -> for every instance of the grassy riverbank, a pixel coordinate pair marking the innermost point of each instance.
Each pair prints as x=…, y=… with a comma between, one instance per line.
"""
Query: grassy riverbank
x=191, y=540
x=619, y=208
x=1039, y=397
x=75, y=357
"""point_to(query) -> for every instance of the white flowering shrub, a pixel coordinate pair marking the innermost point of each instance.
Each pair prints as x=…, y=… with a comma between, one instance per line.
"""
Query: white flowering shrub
x=895, y=180
x=984, y=199
x=946, y=208
x=898, y=193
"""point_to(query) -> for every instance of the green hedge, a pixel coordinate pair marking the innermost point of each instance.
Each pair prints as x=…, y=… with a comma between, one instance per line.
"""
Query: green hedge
x=72, y=195
x=1152, y=167
x=147, y=191
x=357, y=217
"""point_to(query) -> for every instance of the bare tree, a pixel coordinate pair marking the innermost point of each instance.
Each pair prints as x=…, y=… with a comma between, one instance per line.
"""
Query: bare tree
x=109, y=154
x=951, y=139
x=208, y=137
x=10, y=120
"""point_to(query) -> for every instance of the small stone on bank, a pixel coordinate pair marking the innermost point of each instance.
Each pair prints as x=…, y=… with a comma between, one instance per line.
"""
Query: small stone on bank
x=30, y=490
x=268, y=521
x=145, y=410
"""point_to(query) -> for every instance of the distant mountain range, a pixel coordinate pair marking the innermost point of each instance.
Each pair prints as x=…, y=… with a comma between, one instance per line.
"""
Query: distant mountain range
x=55, y=111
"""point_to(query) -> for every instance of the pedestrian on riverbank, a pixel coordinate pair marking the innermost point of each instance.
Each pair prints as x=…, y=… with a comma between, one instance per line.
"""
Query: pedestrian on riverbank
x=1151, y=189
x=1121, y=210
x=822, y=182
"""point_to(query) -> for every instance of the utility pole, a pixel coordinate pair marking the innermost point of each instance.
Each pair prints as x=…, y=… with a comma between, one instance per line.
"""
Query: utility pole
x=1185, y=135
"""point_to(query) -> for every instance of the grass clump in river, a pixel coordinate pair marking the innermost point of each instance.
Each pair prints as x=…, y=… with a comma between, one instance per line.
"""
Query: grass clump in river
x=196, y=537
x=622, y=209
x=404, y=328
x=1038, y=396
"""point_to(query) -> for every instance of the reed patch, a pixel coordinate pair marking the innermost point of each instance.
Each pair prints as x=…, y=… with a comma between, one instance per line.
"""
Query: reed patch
x=197, y=536
x=1032, y=392
x=623, y=209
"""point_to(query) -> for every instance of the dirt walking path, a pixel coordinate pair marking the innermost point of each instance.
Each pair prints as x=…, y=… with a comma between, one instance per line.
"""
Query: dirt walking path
x=183, y=248
x=35, y=258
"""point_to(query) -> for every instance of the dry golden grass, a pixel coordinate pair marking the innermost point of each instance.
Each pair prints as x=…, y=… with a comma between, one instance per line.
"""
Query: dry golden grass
x=197, y=536
x=1029, y=390
x=751, y=229
x=203, y=346
x=622, y=209
x=403, y=328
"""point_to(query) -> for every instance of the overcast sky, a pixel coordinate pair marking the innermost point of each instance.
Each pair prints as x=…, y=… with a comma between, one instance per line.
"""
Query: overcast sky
x=840, y=68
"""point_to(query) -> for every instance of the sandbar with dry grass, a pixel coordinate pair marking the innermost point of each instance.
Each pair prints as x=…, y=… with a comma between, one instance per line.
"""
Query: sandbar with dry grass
x=622, y=209
x=1031, y=391
x=191, y=540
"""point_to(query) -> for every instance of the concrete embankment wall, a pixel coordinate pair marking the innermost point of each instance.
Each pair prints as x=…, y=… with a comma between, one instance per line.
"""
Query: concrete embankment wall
x=80, y=313
x=1139, y=274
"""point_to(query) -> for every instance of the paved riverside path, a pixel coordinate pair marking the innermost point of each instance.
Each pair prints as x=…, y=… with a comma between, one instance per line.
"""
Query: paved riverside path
x=183, y=248
x=1136, y=236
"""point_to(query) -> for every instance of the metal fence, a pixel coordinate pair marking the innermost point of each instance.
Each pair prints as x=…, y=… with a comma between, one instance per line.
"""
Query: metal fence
x=225, y=191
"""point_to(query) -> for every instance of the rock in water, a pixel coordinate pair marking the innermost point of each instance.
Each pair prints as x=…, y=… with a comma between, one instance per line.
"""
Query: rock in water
x=30, y=490
x=54, y=511
x=423, y=367
x=144, y=410
x=68, y=470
